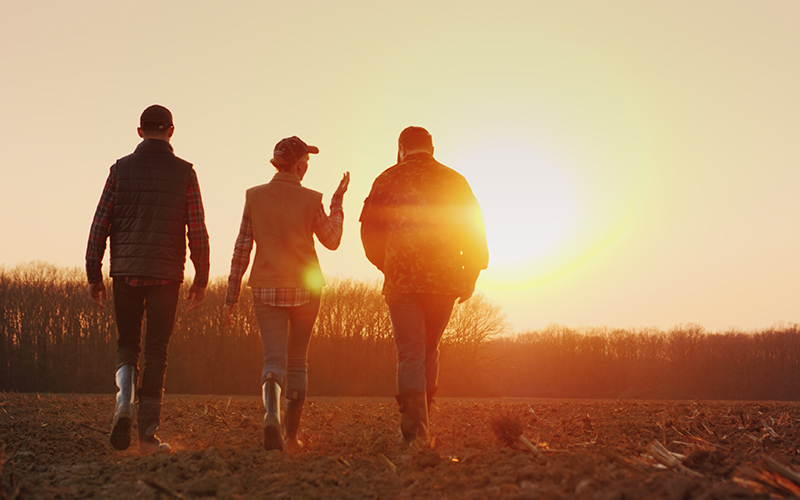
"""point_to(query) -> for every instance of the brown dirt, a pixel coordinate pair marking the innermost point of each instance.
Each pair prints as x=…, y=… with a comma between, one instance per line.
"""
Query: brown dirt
x=56, y=446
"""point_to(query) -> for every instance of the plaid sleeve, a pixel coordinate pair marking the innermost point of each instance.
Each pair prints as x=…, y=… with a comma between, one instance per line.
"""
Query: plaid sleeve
x=196, y=232
x=329, y=228
x=240, y=260
x=100, y=230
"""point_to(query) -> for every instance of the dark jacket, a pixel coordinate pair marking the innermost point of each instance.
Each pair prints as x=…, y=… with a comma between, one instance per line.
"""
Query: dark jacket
x=422, y=227
x=148, y=227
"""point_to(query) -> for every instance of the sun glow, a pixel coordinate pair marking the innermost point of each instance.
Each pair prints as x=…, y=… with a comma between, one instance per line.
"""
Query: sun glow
x=530, y=211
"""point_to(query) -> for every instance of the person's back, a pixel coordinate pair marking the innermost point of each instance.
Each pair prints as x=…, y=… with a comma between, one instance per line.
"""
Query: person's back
x=285, y=253
x=148, y=233
x=281, y=218
x=432, y=228
x=422, y=226
x=150, y=205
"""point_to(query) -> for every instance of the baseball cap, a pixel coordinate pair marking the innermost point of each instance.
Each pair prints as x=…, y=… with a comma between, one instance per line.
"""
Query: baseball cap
x=415, y=135
x=292, y=149
x=155, y=117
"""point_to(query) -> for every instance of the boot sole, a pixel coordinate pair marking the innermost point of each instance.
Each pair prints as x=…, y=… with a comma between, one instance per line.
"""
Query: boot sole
x=273, y=440
x=121, y=433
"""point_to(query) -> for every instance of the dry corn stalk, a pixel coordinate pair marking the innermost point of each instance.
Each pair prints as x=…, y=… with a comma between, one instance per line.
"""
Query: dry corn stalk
x=774, y=480
x=666, y=457
x=769, y=429
x=509, y=430
x=160, y=487
x=781, y=469
x=389, y=463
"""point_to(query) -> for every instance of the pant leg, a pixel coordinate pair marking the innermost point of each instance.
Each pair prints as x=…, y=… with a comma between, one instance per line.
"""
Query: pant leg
x=408, y=327
x=301, y=324
x=438, y=309
x=161, y=305
x=273, y=325
x=128, y=314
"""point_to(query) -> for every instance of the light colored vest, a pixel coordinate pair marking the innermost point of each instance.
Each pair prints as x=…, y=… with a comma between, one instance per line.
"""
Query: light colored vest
x=281, y=213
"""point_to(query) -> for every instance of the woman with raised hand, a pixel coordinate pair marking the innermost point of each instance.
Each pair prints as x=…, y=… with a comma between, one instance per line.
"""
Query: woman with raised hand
x=281, y=217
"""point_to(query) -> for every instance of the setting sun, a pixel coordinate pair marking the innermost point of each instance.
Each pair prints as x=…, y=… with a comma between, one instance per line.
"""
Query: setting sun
x=532, y=213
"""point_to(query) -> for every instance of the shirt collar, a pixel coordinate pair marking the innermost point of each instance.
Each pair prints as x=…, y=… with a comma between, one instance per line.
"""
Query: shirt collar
x=149, y=145
x=289, y=177
x=419, y=155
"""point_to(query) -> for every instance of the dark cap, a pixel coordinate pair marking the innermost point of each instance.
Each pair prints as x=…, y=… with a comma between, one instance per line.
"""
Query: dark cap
x=416, y=137
x=155, y=117
x=292, y=149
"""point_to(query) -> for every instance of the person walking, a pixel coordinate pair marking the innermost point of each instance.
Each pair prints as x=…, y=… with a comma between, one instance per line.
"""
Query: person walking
x=422, y=227
x=281, y=217
x=150, y=204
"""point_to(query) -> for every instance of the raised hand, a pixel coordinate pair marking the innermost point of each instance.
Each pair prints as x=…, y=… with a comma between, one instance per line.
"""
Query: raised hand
x=343, y=185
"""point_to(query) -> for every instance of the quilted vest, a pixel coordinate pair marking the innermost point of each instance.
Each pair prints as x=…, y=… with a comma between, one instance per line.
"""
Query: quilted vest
x=148, y=225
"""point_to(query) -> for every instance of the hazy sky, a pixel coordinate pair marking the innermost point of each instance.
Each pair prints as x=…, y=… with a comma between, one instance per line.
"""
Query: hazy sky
x=636, y=161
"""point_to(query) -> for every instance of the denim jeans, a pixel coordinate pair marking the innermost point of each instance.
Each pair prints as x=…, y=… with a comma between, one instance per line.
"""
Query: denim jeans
x=418, y=322
x=130, y=304
x=285, y=335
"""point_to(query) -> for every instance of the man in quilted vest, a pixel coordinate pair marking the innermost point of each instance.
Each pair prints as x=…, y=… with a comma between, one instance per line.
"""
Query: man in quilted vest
x=150, y=204
x=422, y=227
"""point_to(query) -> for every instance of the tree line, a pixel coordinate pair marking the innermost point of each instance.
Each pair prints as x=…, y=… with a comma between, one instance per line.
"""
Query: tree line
x=53, y=339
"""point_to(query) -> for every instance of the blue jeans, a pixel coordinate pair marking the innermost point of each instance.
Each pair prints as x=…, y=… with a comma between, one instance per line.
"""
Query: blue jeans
x=418, y=322
x=285, y=335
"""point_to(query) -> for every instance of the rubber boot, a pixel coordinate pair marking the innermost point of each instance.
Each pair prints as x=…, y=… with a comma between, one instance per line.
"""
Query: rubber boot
x=294, y=410
x=273, y=431
x=149, y=420
x=123, y=412
x=413, y=416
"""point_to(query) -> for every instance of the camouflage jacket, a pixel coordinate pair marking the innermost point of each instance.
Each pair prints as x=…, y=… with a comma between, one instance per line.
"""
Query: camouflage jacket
x=422, y=227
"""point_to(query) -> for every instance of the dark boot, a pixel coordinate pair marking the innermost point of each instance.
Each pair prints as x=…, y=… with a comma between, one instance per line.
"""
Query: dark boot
x=413, y=416
x=273, y=431
x=149, y=420
x=294, y=410
x=123, y=412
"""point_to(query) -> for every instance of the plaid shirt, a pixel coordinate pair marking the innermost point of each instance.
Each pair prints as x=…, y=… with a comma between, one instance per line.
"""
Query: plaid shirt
x=101, y=229
x=329, y=232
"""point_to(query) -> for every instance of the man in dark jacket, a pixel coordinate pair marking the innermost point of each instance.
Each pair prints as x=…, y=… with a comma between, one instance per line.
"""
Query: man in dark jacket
x=422, y=227
x=150, y=204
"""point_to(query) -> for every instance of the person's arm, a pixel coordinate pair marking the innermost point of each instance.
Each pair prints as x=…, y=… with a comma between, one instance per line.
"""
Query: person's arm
x=96, y=247
x=373, y=233
x=475, y=251
x=198, y=242
x=239, y=264
x=240, y=260
x=329, y=228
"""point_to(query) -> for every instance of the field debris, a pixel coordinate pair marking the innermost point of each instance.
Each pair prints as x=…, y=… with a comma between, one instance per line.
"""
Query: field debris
x=587, y=449
x=162, y=488
x=671, y=459
x=508, y=429
x=388, y=462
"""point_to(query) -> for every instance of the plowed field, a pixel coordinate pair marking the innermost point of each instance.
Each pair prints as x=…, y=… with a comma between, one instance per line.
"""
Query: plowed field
x=56, y=446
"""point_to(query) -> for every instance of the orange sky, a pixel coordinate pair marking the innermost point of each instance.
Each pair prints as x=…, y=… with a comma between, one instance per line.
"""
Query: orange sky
x=637, y=162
